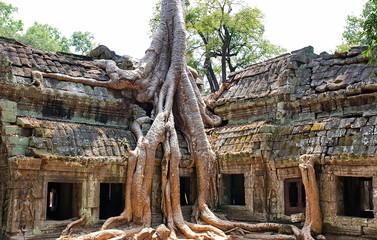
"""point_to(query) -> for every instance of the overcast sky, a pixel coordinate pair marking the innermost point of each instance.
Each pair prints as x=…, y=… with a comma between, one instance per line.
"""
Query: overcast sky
x=122, y=25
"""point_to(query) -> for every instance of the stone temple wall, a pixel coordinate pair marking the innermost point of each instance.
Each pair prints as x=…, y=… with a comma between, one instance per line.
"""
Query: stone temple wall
x=300, y=104
x=64, y=143
x=61, y=142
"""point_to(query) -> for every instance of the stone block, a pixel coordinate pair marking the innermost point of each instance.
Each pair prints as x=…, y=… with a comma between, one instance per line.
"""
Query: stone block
x=372, y=231
x=8, y=116
x=367, y=130
x=267, y=129
x=41, y=143
x=12, y=130
x=372, y=121
x=346, y=122
x=25, y=123
x=318, y=127
x=16, y=140
x=43, y=132
x=16, y=151
x=359, y=122
x=6, y=105
x=345, y=141
x=345, y=228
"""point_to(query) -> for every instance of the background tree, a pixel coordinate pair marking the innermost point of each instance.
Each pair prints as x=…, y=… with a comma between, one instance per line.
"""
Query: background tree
x=8, y=26
x=226, y=35
x=46, y=38
x=82, y=42
x=370, y=28
x=353, y=34
x=42, y=36
x=362, y=30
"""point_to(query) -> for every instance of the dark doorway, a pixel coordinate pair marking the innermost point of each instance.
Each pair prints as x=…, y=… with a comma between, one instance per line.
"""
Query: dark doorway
x=185, y=191
x=234, y=189
x=111, y=200
x=63, y=200
x=294, y=196
x=357, y=197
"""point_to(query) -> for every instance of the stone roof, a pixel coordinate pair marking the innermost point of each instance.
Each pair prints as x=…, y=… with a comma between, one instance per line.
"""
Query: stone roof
x=266, y=78
x=33, y=79
x=341, y=71
x=301, y=73
x=24, y=59
x=300, y=103
x=239, y=138
x=297, y=86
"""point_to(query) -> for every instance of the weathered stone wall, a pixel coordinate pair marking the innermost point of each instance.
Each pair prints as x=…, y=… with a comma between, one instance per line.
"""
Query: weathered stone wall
x=301, y=103
x=55, y=131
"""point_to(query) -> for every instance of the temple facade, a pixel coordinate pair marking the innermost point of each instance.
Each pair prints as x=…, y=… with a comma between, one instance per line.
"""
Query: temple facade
x=301, y=105
x=63, y=146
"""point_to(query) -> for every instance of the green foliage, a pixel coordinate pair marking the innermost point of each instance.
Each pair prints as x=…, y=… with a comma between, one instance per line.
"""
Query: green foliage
x=8, y=26
x=353, y=34
x=82, y=42
x=42, y=36
x=362, y=31
x=370, y=29
x=228, y=32
x=46, y=38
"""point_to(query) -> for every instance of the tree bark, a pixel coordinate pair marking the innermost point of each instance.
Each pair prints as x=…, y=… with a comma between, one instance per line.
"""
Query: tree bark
x=313, y=215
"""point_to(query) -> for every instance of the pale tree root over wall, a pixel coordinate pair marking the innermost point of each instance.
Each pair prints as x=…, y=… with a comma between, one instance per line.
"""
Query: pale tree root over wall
x=163, y=79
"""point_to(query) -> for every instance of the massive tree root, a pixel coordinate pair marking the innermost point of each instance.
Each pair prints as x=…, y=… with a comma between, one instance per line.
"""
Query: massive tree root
x=163, y=79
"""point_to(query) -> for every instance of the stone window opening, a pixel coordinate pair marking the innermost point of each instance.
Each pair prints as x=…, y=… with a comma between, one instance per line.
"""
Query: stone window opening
x=233, y=189
x=63, y=200
x=356, y=197
x=111, y=200
x=294, y=196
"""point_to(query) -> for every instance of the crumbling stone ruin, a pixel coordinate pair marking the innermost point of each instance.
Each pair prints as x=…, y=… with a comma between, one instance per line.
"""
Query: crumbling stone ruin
x=293, y=106
x=63, y=144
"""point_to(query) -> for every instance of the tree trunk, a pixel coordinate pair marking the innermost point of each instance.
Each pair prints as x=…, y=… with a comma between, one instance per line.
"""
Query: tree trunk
x=313, y=215
x=211, y=76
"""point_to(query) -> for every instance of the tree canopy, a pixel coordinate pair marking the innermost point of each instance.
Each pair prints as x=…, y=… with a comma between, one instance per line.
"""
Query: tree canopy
x=370, y=28
x=46, y=38
x=8, y=26
x=42, y=36
x=362, y=30
x=225, y=35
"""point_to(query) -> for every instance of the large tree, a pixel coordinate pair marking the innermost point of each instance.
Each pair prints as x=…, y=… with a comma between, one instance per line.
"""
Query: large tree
x=163, y=79
x=226, y=35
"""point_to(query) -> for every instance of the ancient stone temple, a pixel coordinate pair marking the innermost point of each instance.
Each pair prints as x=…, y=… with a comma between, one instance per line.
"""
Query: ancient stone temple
x=301, y=105
x=63, y=145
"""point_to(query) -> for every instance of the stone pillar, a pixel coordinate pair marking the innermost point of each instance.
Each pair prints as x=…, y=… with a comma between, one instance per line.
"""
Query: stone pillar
x=249, y=194
x=90, y=196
